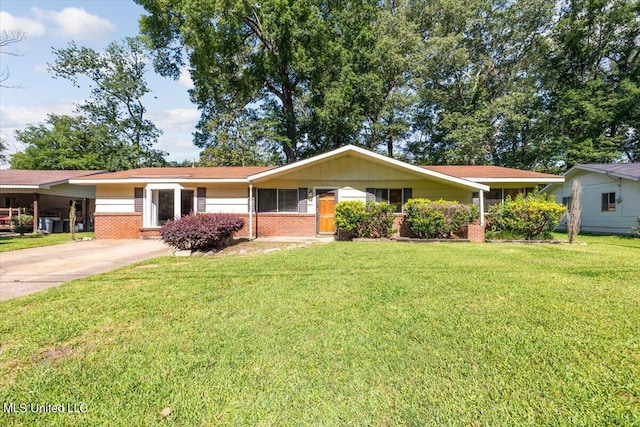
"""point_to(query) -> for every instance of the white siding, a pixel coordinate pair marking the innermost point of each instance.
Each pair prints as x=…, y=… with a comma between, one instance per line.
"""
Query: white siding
x=115, y=198
x=228, y=200
x=593, y=219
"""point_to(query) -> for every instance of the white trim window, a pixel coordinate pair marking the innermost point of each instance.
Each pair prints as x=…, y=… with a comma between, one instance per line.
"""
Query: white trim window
x=165, y=202
x=278, y=200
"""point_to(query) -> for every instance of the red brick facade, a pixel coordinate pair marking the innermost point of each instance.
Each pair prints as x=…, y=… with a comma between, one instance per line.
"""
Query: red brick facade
x=129, y=226
x=117, y=225
x=274, y=224
x=475, y=233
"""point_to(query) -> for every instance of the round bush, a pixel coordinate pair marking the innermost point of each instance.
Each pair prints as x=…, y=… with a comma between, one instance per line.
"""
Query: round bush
x=201, y=231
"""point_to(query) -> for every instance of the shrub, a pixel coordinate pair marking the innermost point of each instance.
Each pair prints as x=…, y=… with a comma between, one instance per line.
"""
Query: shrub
x=635, y=231
x=370, y=220
x=22, y=224
x=532, y=217
x=438, y=219
x=201, y=231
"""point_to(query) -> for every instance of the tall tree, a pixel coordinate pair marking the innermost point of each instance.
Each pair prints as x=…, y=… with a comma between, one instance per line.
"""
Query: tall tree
x=7, y=39
x=319, y=74
x=66, y=142
x=479, y=84
x=239, y=53
x=594, y=81
x=118, y=87
x=3, y=151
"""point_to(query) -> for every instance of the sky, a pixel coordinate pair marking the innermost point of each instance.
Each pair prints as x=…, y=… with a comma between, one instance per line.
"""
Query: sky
x=34, y=93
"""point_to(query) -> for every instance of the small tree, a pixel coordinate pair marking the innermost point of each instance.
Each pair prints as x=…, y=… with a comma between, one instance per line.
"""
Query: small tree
x=22, y=224
x=72, y=219
x=573, y=211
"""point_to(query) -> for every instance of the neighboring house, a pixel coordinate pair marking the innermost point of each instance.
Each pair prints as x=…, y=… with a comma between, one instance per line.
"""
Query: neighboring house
x=46, y=194
x=610, y=196
x=297, y=199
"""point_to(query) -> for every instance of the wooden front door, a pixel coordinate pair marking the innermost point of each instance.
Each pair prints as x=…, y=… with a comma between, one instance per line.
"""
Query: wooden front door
x=325, y=213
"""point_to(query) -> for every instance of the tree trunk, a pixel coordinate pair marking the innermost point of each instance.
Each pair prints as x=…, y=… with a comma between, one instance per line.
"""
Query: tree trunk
x=290, y=147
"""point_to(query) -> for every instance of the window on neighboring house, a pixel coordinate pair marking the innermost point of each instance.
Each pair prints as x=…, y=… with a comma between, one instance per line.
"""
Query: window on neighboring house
x=566, y=201
x=393, y=196
x=608, y=202
x=277, y=200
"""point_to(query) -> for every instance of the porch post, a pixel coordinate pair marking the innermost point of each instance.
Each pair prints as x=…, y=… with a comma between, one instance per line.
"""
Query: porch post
x=250, y=211
x=481, y=194
x=177, y=203
x=36, y=212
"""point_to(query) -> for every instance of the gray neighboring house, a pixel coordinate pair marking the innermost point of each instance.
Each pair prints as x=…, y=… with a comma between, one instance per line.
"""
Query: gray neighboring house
x=610, y=196
x=46, y=194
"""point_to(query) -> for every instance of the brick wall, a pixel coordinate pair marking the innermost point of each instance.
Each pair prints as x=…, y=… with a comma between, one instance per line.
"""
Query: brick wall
x=299, y=225
x=117, y=225
x=401, y=226
x=274, y=224
x=475, y=233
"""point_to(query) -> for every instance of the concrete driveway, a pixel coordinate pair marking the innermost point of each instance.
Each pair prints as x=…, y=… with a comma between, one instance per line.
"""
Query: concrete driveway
x=30, y=270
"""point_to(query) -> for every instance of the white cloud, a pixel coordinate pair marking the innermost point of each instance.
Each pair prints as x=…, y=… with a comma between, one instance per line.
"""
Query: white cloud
x=16, y=118
x=31, y=27
x=76, y=23
x=40, y=69
x=185, y=78
x=176, y=120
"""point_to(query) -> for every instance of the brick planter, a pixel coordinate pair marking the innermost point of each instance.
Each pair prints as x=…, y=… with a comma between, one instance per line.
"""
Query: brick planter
x=475, y=233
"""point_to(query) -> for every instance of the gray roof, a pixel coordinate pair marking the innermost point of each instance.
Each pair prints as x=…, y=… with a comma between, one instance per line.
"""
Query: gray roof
x=620, y=170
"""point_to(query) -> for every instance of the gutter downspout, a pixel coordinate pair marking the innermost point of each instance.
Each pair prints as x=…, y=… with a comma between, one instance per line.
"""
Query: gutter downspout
x=250, y=211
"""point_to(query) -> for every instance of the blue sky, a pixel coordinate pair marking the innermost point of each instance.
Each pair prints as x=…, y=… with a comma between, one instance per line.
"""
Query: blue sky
x=91, y=23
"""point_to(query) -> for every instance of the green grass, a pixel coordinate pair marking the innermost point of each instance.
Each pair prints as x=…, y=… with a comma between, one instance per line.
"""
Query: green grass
x=339, y=334
x=14, y=243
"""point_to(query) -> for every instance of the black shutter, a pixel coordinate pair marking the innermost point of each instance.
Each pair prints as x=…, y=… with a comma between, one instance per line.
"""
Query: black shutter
x=407, y=193
x=137, y=195
x=201, y=194
x=302, y=200
x=371, y=194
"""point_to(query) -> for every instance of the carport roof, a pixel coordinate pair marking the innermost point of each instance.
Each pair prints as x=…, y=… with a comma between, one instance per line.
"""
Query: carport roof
x=20, y=178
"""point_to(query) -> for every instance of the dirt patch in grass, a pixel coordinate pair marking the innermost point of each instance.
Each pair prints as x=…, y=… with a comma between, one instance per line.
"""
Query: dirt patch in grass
x=55, y=354
x=245, y=247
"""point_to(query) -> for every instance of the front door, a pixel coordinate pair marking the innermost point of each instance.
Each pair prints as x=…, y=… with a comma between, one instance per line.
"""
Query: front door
x=325, y=212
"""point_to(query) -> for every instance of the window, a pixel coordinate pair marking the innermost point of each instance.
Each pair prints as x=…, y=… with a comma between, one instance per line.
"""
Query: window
x=169, y=204
x=566, y=201
x=277, y=200
x=608, y=202
x=393, y=196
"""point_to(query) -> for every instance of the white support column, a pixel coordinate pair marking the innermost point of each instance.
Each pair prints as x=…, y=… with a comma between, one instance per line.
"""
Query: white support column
x=481, y=195
x=177, y=203
x=250, y=211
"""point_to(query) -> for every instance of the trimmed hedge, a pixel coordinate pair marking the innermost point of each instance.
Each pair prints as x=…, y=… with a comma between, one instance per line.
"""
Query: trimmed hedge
x=371, y=220
x=439, y=219
x=531, y=217
x=201, y=231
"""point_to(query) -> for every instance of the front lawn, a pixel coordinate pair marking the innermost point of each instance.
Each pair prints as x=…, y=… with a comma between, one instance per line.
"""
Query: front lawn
x=338, y=334
x=13, y=243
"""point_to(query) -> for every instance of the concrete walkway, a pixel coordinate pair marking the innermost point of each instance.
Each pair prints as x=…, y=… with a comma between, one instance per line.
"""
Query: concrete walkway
x=30, y=270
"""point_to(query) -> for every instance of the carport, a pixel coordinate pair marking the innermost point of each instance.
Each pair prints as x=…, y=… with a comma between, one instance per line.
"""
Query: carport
x=47, y=196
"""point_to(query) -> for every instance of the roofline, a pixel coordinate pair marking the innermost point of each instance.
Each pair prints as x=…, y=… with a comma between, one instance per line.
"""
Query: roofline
x=517, y=180
x=158, y=180
x=21, y=186
x=367, y=153
x=603, y=172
